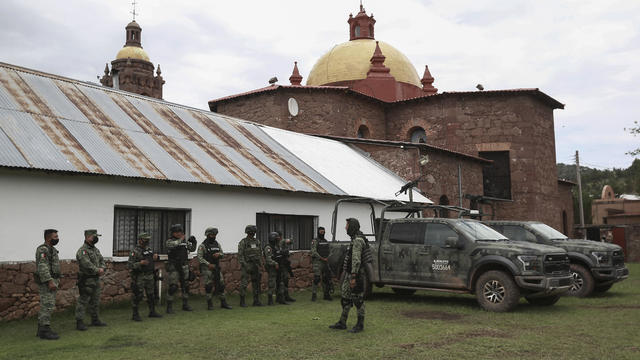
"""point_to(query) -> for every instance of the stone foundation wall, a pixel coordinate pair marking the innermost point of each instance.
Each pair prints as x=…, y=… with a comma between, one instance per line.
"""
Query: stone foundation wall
x=632, y=234
x=19, y=293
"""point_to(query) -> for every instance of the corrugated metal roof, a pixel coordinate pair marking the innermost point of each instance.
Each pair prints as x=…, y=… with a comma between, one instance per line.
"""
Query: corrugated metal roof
x=53, y=123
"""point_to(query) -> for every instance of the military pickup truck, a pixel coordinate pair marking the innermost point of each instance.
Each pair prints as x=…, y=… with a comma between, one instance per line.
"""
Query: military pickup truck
x=412, y=253
x=595, y=266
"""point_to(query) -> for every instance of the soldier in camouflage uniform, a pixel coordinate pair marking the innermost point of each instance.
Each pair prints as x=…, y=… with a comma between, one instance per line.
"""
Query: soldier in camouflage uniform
x=47, y=277
x=91, y=267
x=141, y=267
x=284, y=245
x=177, y=266
x=250, y=259
x=321, y=272
x=272, y=267
x=353, y=283
x=209, y=255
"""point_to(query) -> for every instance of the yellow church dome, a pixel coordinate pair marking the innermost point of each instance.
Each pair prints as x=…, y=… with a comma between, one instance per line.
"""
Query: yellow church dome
x=133, y=52
x=351, y=61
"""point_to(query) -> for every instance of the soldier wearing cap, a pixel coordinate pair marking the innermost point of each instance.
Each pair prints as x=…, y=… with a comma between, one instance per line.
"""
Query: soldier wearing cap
x=91, y=267
x=250, y=259
x=321, y=271
x=178, y=265
x=141, y=266
x=47, y=276
x=209, y=255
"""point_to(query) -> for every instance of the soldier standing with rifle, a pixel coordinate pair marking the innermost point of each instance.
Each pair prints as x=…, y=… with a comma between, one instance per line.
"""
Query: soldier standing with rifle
x=178, y=266
x=354, y=272
x=272, y=267
x=47, y=276
x=209, y=255
x=250, y=259
x=285, y=266
x=141, y=266
x=321, y=271
x=91, y=267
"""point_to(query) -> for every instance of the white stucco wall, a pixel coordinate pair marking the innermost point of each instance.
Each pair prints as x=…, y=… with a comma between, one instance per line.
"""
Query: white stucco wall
x=31, y=201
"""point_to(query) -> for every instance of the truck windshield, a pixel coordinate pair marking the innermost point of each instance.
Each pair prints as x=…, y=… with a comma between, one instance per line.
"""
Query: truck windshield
x=548, y=232
x=477, y=231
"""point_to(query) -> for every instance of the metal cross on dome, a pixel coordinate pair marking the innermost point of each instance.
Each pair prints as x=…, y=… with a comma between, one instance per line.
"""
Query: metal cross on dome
x=134, y=10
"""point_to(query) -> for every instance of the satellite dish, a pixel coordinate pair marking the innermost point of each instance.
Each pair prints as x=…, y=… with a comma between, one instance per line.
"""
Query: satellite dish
x=293, y=107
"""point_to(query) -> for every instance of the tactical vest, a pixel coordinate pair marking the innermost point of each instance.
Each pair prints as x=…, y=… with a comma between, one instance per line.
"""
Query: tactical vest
x=179, y=254
x=365, y=257
x=211, y=249
x=147, y=254
x=322, y=246
x=252, y=250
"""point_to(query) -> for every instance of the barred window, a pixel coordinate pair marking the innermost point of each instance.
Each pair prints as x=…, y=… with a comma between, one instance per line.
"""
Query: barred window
x=301, y=229
x=129, y=221
x=497, y=176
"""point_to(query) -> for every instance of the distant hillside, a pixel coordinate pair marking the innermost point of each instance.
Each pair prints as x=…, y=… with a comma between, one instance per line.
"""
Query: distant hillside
x=623, y=181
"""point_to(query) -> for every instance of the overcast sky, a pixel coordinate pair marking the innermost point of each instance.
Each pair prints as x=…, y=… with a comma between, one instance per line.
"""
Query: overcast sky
x=584, y=53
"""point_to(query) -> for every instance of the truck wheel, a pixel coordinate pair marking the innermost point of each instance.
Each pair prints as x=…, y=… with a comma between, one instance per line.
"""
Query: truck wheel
x=602, y=288
x=496, y=291
x=582, y=281
x=403, y=291
x=543, y=301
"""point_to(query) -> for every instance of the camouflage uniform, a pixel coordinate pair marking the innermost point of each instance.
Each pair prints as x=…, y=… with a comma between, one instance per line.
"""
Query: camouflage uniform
x=177, y=267
x=271, y=266
x=90, y=261
x=212, y=278
x=47, y=269
x=353, y=268
x=142, y=277
x=321, y=270
x=283, y=284
x=250, y=259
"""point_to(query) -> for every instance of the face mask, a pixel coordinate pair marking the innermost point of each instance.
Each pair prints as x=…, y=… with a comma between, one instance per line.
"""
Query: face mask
x=95, y=240
x=54, y=242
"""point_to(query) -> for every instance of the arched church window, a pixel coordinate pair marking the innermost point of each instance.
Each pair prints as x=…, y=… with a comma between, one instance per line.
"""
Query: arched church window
x=418, y=135
x=357, y=30
x=363, y=132
x=444, y=200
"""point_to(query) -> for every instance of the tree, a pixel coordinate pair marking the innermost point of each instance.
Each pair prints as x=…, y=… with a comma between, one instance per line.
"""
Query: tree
x=634, y=131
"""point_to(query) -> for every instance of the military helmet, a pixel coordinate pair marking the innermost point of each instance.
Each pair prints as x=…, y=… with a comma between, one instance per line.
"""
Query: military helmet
x=211, y=230
x=144, y=235
x=176, y=228
x=250, y=229
x=273, y=236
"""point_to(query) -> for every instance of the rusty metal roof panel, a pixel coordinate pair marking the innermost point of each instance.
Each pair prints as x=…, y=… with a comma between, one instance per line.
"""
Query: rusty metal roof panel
x=245, y=165
x=148, y=111
x=9, y=154
x=110, y=108
x=218, y=171
x=32, y=142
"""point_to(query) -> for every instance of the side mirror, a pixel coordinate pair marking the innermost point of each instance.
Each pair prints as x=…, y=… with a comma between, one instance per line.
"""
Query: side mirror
x=453, y=242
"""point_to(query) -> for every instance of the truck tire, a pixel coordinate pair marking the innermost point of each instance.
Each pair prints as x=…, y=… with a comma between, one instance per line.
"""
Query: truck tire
x=583, y=282
x=403, y=291
x=543, y=301
x=496, y=291
x=602, y=288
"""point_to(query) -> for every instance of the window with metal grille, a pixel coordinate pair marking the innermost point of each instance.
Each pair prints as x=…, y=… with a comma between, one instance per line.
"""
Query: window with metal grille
x=130, y=221
x=301, y=229
x=497, y=176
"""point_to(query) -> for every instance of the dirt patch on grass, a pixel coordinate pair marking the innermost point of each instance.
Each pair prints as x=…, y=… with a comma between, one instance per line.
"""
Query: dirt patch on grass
x=615, y=307
x=458, y=338
x=432, y=315
x=122, y=341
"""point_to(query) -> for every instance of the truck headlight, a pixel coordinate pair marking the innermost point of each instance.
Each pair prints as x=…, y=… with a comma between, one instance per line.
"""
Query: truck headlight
x=601, y=257
x=530, y=262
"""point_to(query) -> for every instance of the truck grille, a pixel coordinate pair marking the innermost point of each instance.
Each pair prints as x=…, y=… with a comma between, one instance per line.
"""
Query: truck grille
x=618, y=259
x=557, y=264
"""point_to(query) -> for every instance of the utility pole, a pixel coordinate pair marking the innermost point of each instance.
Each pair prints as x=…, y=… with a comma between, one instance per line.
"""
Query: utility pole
x=580, y=195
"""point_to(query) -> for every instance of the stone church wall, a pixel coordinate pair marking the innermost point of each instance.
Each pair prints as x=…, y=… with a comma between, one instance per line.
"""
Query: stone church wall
x=19, y=293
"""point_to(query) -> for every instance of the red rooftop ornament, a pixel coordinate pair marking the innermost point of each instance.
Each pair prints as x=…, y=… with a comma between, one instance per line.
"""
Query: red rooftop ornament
x=295, y=78
x=361, y=26
x=427, y=81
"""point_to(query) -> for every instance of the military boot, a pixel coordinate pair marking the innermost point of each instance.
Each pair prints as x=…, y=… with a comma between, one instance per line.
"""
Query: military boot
x=209, y=304
x=256, y=300
x=314, y=297
x=280, y=299
x=270, y=299
x=38, y=332
x=169, y=307
x=242, y=303
x=185, y=305
x=80, y=325
x=327, y=296
x=152, y=310
x=338, y=326
x=359, y=325
x=136, y=315
x=287, y=297
x=95, y=321
x=224, y=304
x=47, y=334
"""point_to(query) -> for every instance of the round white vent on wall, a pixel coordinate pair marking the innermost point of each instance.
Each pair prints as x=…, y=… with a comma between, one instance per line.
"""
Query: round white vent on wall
x=293, y=107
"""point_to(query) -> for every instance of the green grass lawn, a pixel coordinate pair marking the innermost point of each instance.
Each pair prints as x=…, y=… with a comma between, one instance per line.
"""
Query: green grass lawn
x=427, y=325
